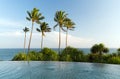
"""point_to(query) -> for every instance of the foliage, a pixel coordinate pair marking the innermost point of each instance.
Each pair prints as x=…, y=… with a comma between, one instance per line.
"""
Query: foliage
x=26, y=29
x=71, y=54
x=68, y=54
x=60, y=19
x=20, y=57
x=33, y=16
x=93, y=57
x=70, y=26
x=43, y=28
x=114, y=60
x=118, y=51
x=99, y=48
x=32, y=55
x=48, y=54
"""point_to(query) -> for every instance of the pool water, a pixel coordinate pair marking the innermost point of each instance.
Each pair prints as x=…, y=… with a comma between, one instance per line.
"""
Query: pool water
x=57, y=70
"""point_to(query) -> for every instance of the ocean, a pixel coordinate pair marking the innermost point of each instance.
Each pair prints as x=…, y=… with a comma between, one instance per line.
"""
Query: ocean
x=9, y=53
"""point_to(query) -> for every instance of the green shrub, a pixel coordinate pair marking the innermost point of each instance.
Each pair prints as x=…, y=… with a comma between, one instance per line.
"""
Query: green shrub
x=20, y=57
x=71, y=54
x=49, y=55
x=32, y=55
x=93, y=57
x=40, y=57
x=114, y=60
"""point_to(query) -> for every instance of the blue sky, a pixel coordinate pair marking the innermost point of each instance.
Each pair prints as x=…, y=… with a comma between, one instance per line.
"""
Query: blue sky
x=97, y=21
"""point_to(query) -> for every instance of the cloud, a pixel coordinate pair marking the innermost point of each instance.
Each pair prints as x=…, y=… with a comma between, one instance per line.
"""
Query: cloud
x=16, y=39
x=13, y=24
x=4, y=22
x=72, y=40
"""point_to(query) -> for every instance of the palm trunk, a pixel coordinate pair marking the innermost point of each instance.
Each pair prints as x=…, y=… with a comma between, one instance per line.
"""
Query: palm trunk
x=59, y=39
x=24, y=42
x=66, y=37
x=42, y=42
x=66, y=40
x=30, y=39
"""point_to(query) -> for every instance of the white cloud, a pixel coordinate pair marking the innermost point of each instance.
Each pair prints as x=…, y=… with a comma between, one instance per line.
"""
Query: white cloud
x=16, y=39
x=13, y=24
x=4, y=22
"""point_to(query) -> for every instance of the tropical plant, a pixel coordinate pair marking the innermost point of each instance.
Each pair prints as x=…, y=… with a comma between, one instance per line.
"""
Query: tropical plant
x=60, y=18
x=43, y=28
x=19, y=57
x=49, y=54
x=70, y=26
x=99, y=49
x=33, y=16
x=95, y=48
x=72, y=54
x=118, y=51
x=25, y=30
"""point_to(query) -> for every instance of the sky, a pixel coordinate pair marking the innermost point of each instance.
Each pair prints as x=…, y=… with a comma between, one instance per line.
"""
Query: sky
x=97, y=21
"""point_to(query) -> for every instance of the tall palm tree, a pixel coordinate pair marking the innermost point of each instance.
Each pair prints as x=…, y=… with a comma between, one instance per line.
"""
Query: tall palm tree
x=60, y=18
x=43, y=28
x=70, y=26
x=33, y=16
x=25, y=30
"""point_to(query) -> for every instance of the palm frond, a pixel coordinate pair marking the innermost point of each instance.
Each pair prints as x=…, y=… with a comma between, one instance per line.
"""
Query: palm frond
x=28, y=19
x=41, y=18
x=63, y=29
x=55, y=26
x=26, y=29
x=29, y=14
x=38, y=22
x=48, y=30
x=38, y=29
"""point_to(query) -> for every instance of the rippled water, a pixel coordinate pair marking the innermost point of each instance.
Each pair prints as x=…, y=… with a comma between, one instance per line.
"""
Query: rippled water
x=57, y=70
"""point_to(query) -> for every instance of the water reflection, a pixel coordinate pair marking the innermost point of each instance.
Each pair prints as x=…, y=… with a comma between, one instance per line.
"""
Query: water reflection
x=57, y=70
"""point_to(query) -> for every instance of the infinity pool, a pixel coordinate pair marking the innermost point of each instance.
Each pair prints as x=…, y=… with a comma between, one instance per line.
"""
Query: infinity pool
x=57, y=70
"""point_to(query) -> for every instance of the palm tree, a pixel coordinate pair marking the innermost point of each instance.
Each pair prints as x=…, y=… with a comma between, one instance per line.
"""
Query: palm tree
x=33, y=16
x=43, y=28
x=100, y=49
x=25, y=30
x=70, y=26
x=60, y=18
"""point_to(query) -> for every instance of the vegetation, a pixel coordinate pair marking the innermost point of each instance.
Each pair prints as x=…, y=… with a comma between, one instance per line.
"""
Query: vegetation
x=25, y=30
x=20, y=57
x=43, y=28
x=33, y=16
x=98, y=50
x=72, y=54
x=45, y=54
x=118, y=50
x=99, y=53
x=70, y=26
x=60, y=18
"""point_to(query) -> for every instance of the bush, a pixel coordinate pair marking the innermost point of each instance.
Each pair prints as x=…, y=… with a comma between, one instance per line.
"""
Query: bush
x=20, y=57
x=68, y=54
x=93, y=57
x=48, y=55
x=32, y=55
x=71, y=54
x=114, y=60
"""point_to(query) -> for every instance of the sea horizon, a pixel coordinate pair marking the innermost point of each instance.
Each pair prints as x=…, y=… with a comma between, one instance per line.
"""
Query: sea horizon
x=9, y=53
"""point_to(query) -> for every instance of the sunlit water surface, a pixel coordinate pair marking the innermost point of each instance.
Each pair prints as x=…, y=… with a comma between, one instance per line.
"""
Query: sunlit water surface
x=57, y=70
